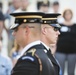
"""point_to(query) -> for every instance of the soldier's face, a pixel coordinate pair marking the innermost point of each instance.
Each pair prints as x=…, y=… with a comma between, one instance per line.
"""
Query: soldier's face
x=19, y=34
x=51, y=34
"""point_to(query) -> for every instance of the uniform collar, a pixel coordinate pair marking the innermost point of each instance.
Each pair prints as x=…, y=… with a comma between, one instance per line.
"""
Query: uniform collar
x=45, y=45
x=29, y=46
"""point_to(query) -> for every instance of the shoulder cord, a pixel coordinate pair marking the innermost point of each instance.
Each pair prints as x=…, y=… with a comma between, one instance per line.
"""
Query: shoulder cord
x=40, y=63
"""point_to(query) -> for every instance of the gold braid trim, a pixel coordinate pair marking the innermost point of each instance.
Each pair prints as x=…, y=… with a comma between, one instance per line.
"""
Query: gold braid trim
x=39, y=60
x=31, y=16
x=49, y=18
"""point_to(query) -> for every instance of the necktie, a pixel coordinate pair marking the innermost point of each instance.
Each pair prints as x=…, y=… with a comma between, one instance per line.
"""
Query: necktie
x=53, y=60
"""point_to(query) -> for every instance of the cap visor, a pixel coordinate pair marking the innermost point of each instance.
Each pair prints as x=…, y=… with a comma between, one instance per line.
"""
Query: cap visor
x=56, y=25
x=14, y=26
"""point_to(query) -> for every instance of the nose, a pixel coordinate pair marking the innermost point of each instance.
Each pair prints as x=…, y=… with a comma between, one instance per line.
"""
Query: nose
x=58, y=32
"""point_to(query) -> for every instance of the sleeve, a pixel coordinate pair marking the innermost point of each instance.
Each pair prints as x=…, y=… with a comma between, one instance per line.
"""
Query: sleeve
x=26, y=65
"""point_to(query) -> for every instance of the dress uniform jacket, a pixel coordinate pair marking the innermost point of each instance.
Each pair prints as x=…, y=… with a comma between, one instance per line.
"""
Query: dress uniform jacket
x=35, y=62
x=53, y=60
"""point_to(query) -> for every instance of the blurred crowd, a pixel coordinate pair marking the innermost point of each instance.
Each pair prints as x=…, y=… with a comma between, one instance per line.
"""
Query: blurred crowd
x=64, y=49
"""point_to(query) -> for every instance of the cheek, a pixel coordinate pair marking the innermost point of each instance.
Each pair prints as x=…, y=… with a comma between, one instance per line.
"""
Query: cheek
x=51, y=32
x=52, y=35
x=23, y=35
x=19, y=34
x=20, y=38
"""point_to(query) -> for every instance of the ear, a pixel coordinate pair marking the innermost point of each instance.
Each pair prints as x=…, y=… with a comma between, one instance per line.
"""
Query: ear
x=43, y=30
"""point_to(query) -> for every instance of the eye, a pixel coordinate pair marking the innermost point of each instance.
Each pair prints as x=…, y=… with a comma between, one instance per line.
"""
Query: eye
x=56, y=29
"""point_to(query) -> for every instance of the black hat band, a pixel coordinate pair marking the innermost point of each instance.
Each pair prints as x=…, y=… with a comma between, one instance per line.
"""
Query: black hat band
x=27, y=20
x=49, y=22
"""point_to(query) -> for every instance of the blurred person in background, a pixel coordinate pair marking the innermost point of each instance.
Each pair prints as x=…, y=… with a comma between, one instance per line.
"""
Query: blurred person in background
x=15, y=52
x=5, y=63
x=66, y=45
x=3, y=34
x=24, y=5
x=43, y=6
x=55, y=7
x=16, y=4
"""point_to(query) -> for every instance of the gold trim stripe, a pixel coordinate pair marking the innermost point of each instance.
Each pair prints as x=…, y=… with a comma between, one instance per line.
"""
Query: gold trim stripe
x=40, y=63
x=32, y=16
x=49, y=18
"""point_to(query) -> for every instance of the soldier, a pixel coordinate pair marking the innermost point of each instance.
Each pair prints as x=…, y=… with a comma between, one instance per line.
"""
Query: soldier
x=33, y=60
x=49, y=35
